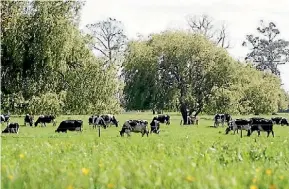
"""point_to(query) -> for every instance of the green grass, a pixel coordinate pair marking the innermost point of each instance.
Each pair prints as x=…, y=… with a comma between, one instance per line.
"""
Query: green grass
x=180, y=157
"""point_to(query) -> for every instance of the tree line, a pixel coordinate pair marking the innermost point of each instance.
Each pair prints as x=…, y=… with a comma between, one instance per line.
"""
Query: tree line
x=49, y=65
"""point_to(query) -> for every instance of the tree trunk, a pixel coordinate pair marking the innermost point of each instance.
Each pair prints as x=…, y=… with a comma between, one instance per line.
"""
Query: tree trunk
x=154, y=112
x=184, y=113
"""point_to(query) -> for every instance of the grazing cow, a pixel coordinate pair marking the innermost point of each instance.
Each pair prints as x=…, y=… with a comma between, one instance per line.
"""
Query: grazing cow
x=43, y=119
x=155, y=127
x=191, y=120
x=11, y=128
x=135, y=126
x=284, y=121
x=4, y=118
x=98, y=120
x=261, y=124
x=276, y=120
x=70, y=125
x=109, y=119
x=238, y=124
x=222, y=118
x=163, y=118
x=28, y=119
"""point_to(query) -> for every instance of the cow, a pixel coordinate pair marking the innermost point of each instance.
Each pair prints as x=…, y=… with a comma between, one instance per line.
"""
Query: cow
x=284, y=121
x=43, y=119
x=135, y=126
x=110, y=119
x=162, y=118
x=222, y=118
x=11, y=128
x=28, y=119
x=98, y=120
x=107, y=118
x=238, y=124
x=261, y=124
x=191, y=120
x=276, y=120
x=70, y=125
x=155, y=127
x=4, y=118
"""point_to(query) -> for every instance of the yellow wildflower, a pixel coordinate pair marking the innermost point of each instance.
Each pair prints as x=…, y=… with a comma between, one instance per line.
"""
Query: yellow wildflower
x=70, y=187
x=268, y=172
x=190, y=179
x=10, y=177
x=100, y=165
x=281, y=177
x=85, y=171
x=21, y=156
x=272, y=186
x=110, y=185
x=253, y=187
x=254, y=180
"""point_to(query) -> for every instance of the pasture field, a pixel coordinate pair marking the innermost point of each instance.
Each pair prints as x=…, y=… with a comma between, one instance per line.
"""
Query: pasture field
x=180, y=157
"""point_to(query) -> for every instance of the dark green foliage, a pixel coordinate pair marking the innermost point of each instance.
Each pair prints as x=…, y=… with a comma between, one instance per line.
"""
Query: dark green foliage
x=46, y=61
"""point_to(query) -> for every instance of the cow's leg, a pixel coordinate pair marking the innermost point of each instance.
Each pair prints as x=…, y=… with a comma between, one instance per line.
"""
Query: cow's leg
x=54, y=123
x=272, y=133
x=249, y=132
x=268, y=133
x=147, y=133
x=259, y=133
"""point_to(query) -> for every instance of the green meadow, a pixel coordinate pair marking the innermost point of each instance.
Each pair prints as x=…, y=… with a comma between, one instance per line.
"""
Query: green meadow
x=179, y=157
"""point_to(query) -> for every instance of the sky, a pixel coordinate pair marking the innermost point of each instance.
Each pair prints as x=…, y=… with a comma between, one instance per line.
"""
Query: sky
x=153, y=16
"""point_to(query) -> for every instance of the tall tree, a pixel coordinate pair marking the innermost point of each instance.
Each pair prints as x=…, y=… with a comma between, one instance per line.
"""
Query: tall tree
x=176, y=65
x=267, y=50
x=109, y=38
x=204, y=25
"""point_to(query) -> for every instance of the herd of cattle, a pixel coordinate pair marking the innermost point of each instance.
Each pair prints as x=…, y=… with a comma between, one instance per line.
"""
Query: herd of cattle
x=141, y=126
x=105, y=120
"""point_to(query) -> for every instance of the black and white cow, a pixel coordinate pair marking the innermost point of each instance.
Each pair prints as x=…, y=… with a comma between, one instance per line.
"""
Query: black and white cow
x=261, y=124
x=191, y=120
x=11, y=128
x=284, y=121
x=107, y=120
x=43, y=119
x=238, y=124
x=163, y=118
x=70, y=125
x=98, y=121
x=222, y=118
x=4, y=118
x=135, y=126
x=28, y=119
x=276, y=120
x=155, y=127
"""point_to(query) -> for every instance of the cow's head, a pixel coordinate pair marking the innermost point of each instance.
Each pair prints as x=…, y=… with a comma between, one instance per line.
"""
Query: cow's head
x=228, y=129
x=121, y=133
x=116, y=123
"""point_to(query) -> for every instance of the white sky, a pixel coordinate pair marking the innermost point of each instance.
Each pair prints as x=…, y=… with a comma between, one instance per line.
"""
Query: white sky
x=152, y=16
